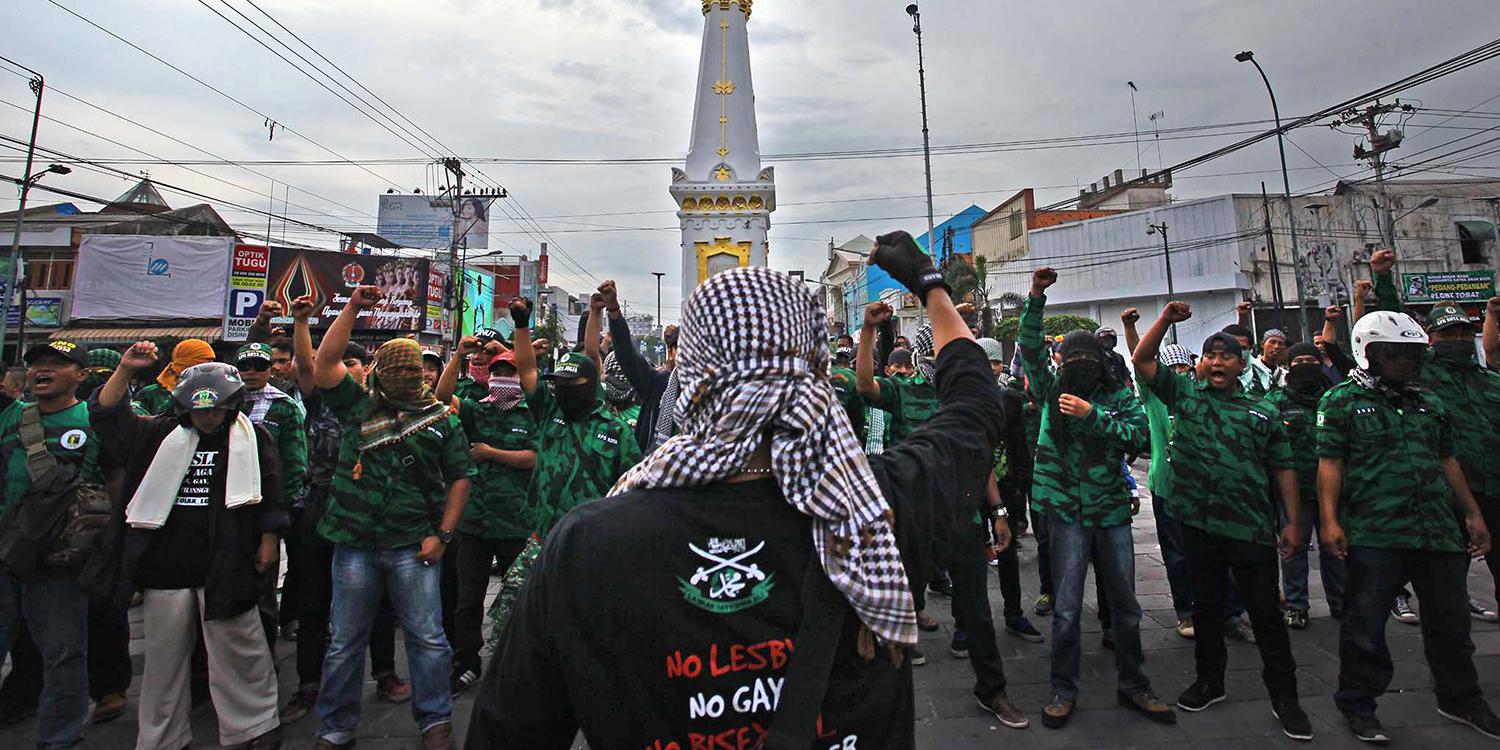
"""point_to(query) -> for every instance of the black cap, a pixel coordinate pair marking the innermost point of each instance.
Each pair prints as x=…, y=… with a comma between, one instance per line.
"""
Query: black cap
x=899, y=357
x=1303, y=349
x=1080, y=342
x=1223, y=342
x=66, y=349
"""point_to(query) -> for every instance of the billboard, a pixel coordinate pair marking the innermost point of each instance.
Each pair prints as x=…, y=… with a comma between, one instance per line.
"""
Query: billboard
x=136, y=277
x=42, y=311
x=479, y=301
x=1452, y=286
x=330, y=276
x=439, y=323
x=248, y=266
x=423, y=222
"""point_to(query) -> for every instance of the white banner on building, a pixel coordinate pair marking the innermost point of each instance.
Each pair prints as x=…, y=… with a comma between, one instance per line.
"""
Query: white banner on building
x=138, y=277
x=421, y=221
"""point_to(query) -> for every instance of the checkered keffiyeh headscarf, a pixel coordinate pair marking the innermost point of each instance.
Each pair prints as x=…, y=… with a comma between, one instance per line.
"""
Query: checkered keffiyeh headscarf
x=753, y=362
x=925, y=354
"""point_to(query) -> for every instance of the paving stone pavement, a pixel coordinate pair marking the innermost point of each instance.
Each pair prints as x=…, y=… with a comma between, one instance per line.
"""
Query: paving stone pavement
x=947, y=716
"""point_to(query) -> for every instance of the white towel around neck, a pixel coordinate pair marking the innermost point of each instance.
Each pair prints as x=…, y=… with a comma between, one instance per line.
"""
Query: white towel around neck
x=157, y=493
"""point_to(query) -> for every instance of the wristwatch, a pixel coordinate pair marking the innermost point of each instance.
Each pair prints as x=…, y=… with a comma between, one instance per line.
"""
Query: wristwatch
x=445, y=536
x=1001, y=511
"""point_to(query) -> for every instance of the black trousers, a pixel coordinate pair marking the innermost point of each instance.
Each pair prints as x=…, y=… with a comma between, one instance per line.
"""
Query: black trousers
x=971, y=611
x=476, y=559
x=316, y=595
x=1008, y=570
x=1374, y=577
x=1257, y=573
x=109, y=660
x=1043, y=551
x=1490, y=508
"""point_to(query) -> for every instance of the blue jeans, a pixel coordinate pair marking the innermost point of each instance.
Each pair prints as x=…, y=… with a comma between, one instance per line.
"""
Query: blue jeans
x=1114, y=553
x=56, y=613
x=1294, y=572
x=360, y=577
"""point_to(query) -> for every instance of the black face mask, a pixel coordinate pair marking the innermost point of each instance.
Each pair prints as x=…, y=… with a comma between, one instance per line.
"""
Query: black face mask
x=1453, y=353
x=1307, y=379
x=1396, y=364
x=1080, y=378
x=577, y=400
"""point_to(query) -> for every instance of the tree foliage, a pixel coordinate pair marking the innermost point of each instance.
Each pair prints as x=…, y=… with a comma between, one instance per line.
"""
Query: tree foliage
x=1052, y=325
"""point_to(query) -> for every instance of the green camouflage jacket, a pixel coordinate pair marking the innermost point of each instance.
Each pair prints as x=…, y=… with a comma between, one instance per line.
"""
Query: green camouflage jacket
x=497, y=504
x=909, y=401
x=391, y=496
x=471, y=389
x=575, y=461
x=1223, y=448
x=1395, y=495
x=284, y=421
x=1471, y=397
x=152, y=401
x=1299, y=417
x=1077, y=471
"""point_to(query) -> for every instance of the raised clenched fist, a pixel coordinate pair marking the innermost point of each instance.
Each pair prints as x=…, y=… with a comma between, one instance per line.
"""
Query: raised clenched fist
x=302, y=307
x=1244, y=306
x=468, y=345
x=1176, y=312
x=1382, y=261
x=1042, y=278
x=139, y=356
x=1333, y=312
x=1493, y=306
x=520, y=312
x=365, y=297
x=877, y=313
x=610, y=295
x=596, y=302
x=270, y=309
x=1131, y=316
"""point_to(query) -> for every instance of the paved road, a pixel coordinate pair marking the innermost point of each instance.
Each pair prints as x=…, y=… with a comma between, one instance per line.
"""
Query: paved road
x=948, y=718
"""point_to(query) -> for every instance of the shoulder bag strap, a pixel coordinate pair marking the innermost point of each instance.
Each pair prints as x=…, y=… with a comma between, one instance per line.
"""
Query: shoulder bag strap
x=39, y=460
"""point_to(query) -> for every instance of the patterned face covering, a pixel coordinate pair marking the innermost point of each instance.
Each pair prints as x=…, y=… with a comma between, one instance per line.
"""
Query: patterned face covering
x=397, y=377
x=746, y=378
x=505, y=393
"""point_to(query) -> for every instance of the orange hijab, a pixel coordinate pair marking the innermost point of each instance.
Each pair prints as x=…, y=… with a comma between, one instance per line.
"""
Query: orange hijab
x=189, y=352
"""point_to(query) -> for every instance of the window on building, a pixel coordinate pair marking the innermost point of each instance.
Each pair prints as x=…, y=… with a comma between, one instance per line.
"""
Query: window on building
x=1474, y=238
x=1017, y=225
x=49, y=271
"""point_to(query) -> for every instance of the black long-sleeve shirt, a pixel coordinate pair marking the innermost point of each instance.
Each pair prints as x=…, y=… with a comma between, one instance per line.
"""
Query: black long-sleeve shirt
x=619, y=632
x=648, y=382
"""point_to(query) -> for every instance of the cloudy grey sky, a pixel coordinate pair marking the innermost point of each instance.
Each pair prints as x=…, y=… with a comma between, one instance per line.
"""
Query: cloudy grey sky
x=579, y=79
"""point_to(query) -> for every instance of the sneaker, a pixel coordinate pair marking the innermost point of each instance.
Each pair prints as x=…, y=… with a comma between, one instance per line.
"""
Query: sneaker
x=1043, y=605
x=300, y=705
x=1107, y=639
x=918, y=659
x=1401, y=610
x=1294, y=721
x=926, y=623
x=439, y=737
x=1367, y=728
x=1185, y=628
x=1243, y=631
x=1006, y=711
x=960, y=646
x=1057, y=713
x=1481, y=612
x=1482, y=719
x=1296, y=619
x=393, y=689
x=1149, y=705
x=269, y=741
x=1199, y=696
x=462, y=681
x=1023, y=629
x=109, y=708
x=991, y=556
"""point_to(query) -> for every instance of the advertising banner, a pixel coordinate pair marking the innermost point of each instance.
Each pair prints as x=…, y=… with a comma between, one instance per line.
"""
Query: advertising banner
x=528, y=279
x=135, y=277
x=421, y=221
x=42, y=311
x=1451, y=286
x=479, y=301
x=330, y=276
x=248, y=266
x=437, y=324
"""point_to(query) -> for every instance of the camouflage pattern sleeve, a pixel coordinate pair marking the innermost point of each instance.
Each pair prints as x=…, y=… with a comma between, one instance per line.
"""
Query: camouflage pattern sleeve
x=1279, y=444
x=1168, y=386
x=1126, y=427
x=456, y=461
x=1445, y=440
x=346, y=400
x=1034, y=350
x=1386, y=296
x=284, y=421
x=890, y=396
x=1333, y=426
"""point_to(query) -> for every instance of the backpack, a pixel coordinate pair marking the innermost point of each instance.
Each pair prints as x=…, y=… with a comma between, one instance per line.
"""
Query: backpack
x=57, y=524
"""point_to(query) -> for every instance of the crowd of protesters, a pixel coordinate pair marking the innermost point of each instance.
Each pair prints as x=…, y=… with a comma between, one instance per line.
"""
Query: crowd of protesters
x=735, y=548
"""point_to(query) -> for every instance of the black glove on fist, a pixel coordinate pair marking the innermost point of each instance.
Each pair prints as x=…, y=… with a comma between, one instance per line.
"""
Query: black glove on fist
x=900, y=256
x=522, y=316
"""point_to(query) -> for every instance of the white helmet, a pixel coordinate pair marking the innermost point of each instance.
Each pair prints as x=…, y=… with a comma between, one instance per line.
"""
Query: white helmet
x=1384, y=328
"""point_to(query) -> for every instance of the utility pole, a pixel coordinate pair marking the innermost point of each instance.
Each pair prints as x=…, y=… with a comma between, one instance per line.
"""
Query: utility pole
x=1166, y=256
x=916, y=27
x=1369, y=119
x=455, y=274
x=1276, y=296
x=38, y=83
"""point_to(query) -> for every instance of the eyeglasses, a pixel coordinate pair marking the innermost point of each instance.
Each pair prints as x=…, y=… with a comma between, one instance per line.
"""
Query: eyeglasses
x=254, y=365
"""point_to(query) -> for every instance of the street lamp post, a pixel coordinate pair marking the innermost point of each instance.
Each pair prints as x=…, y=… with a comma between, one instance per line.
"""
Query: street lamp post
x=658, y=275
x=1166, y=256
x=37, y=83
x=916, y=27
x=1286, y=194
